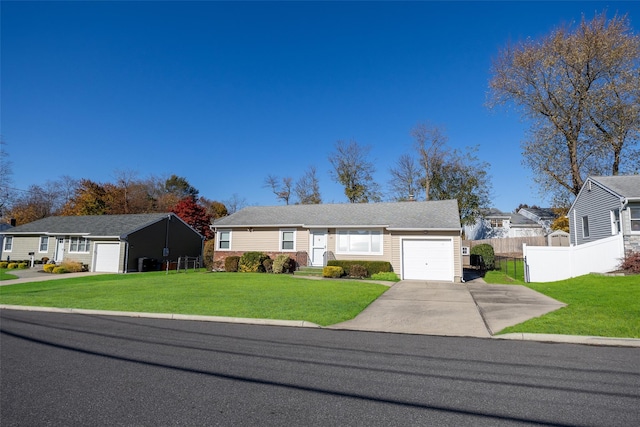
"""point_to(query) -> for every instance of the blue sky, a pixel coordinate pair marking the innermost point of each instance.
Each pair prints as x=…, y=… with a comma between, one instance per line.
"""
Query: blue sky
x=225, y=93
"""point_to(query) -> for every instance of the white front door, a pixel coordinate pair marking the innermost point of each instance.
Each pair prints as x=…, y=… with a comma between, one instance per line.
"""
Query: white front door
x=318, y=246
x=59, y=256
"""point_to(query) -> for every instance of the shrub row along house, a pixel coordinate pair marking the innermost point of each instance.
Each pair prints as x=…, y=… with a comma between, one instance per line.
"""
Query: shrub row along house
x=421, y=240
x=105, y=243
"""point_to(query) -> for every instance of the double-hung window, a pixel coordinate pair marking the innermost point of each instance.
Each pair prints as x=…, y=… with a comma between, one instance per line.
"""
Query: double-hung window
x=78, y=244
x=8, y=243
x=585, y=227
x=360, y=242
x=634, y=216
x=287, y=240
x=44, y=244
x=224, y=239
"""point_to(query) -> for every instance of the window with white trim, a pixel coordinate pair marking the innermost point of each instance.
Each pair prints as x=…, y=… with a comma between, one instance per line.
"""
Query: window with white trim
x=361, y=242
x=288, y=240
x=44, y=244
x=634, y=217
x=8, y=243
x=585, y=226
x=224, y=239
x=78, y=244
x=615, y=221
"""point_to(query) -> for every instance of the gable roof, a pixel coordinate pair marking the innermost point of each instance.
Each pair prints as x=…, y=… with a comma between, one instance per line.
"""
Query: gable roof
x=90, y=225
x=622, y=185
x=431, y=215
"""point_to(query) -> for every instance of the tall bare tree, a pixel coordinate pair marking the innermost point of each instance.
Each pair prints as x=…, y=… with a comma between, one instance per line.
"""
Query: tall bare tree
x=406, y=178
x=281, y=187
x=353, y=169
x=307, y=188
x=430, y=143
x=580, y=88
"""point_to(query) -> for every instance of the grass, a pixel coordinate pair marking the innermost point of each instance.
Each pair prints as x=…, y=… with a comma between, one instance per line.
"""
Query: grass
x=264, y=296
x=496, y=277
x=6, y=276
x=597, y=305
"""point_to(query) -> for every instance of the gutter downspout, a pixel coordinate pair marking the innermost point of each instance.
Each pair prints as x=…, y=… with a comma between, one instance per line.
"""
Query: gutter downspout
x=126, y=255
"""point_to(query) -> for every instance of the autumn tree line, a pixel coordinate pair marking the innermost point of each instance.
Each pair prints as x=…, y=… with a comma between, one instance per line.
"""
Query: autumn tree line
x=578, y=88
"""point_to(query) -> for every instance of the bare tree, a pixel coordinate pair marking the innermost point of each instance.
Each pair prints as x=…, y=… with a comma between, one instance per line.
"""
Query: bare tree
x=430, y=142
x=354, y=171
x=307, y=188
x=406, y=178
x=235, y=203
x=580, y=87
x=280, y=187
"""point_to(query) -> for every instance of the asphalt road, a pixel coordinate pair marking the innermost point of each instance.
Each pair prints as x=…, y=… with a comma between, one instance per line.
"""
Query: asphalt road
x=64, y=369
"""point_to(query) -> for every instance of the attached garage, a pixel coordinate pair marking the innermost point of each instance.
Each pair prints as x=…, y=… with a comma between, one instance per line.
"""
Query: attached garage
x=428, y=259
x=107, y=257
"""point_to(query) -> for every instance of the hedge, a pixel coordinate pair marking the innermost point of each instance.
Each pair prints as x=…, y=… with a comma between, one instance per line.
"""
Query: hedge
x=372, y=267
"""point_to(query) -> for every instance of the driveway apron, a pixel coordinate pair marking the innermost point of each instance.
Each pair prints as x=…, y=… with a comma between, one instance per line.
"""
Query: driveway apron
x=448, y=309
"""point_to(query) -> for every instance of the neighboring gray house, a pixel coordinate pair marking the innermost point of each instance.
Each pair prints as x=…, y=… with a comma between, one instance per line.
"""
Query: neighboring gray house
x=606, y=206
x=421, y=240
x=496, y=224
x=106, y=243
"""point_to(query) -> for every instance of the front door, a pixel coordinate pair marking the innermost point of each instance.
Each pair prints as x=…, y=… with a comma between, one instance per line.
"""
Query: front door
x=318, y=247
x=59, y=256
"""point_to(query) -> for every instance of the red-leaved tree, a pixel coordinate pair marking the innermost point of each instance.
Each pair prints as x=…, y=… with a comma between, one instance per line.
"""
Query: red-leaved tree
x=195, y=215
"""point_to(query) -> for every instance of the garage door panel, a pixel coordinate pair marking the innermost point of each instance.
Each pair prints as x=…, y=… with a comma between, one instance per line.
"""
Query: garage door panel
x=427, y=259
x=107, y=257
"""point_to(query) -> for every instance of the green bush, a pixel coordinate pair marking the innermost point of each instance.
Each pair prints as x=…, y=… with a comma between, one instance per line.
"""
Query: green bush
x=372, y=267
x=207, y=255
x=332, y=271
x=268, y=265
x=60, y=270
x=485, y=250
x=251, y=262
x=282, y=264
x=358, y=271
x=48, y=268
x=22, y=265
x=388, y=276
x=231, y=263
x=12, y=265
x=4, y=264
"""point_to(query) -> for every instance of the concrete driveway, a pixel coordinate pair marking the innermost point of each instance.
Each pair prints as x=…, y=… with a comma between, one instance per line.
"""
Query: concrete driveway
x=466, y=309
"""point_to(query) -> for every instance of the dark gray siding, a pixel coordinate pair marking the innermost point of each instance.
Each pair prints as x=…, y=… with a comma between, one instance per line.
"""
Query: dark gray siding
x=596, y=204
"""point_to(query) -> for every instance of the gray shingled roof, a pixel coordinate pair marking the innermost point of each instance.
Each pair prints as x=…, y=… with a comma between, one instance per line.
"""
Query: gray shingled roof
x=91, y=225
x=442, y=214
x=623, y=185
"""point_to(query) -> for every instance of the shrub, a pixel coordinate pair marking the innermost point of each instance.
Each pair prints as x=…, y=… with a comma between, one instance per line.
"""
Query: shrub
x=48, y=268
x=251, y=262
x=485, y=250
x=282, y=264
x=60, y=270
x=231, y=263
x=372, y=267
x=358, y=271
x=207, y=255
x=22, y=265
x=268, y=265
x=631, y=262
x=12, y=265
x=71, y=266
x=332, y=271
x=4, y=264
x=388, y=276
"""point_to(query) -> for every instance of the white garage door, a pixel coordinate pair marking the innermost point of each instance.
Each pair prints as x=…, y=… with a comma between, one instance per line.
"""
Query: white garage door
x=427, y=260
x=107, y=256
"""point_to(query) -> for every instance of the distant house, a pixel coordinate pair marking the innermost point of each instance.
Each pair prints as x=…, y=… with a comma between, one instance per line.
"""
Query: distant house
x=496, y=224
x=421, y=240
x=607, y=206
x=106, y=243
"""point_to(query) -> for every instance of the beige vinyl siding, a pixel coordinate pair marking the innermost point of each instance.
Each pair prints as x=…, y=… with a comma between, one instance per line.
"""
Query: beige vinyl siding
x=22, y=245
x=266, y=240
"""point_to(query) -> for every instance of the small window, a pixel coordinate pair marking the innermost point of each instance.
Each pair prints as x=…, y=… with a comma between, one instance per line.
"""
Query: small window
x=287, y=240
x=224, y=239
x=78, y=244
x=585, y=226
x=615, y=221
x=8, y=243
x=465, y=250
x=44, y=244
x=634, y=214
x=496, y=223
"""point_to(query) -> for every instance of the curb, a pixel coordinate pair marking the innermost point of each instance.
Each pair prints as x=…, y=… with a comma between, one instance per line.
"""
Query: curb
x=571, y=339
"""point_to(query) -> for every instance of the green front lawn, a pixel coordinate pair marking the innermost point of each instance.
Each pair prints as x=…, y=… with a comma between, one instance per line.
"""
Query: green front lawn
x=262, y=296
x=6, y=276
x=596, y=305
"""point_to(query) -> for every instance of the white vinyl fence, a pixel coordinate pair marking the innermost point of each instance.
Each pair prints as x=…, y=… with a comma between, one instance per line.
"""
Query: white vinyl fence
x=551, y=263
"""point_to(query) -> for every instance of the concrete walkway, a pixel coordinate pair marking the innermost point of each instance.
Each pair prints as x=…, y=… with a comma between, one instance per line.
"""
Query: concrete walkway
x=469, y=310
x=36, y=274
